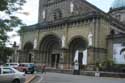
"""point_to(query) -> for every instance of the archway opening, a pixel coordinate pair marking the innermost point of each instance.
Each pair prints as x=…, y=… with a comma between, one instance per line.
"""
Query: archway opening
x=76, y=48
x=28, y=47
x=50, y=48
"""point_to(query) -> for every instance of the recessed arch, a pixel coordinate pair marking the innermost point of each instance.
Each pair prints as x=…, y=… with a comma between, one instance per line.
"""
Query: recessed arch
x=50, y=48
x=28, y=47
x=76, y=43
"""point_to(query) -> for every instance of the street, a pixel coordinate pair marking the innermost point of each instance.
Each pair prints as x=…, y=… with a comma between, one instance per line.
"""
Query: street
x=66, y=78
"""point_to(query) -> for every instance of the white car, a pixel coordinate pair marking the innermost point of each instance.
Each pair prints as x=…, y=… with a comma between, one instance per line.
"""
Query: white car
x=11, y=75
x=15, y=65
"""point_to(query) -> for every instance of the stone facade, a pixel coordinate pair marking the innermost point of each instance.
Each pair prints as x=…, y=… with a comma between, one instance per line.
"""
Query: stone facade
x=60, y=33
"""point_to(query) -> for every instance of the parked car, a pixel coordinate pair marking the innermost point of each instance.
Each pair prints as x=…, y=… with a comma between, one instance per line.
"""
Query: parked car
x=11, y=75
x=27, y=67
x=15, y=65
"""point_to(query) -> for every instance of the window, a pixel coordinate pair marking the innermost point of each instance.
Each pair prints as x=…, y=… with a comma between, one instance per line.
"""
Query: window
x=7, y=71
x=118, y=17
x=57, y=14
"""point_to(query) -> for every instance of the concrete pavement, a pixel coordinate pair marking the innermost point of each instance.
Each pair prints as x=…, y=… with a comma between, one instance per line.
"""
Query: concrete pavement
x=66, y=78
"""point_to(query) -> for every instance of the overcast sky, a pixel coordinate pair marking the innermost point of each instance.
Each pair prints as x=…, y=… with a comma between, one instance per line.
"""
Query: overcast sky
x=32, y=8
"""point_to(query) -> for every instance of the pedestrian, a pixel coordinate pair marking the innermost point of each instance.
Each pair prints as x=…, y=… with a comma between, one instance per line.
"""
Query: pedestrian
x=43, y=68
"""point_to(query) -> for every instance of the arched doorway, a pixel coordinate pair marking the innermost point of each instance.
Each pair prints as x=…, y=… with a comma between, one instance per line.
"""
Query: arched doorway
x=50, y=48
x=77, y=45
x=28, y=47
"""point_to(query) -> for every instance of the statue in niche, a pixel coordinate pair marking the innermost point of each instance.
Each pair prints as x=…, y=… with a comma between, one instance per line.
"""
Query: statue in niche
x=44, y=14
x=20, y=45
x=35, y=43
x=90, y=36
x=71, y=7
x=63, y=41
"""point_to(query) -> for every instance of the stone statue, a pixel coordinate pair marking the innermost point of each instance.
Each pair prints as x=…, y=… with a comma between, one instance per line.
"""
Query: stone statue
x=71, y=7
x=63, y=41
x=44, y=14
x=35, y=43
x=90, y=35
x=20, y=46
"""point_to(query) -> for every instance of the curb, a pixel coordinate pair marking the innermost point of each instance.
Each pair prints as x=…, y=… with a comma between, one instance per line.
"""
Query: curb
x=31, y=78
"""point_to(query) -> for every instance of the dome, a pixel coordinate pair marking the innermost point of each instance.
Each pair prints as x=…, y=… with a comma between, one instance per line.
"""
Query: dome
x=118, y=4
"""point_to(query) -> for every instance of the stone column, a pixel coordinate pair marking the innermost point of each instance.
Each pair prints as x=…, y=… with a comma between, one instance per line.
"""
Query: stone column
x=61, y=62
x=64, y=59
x=35, y=56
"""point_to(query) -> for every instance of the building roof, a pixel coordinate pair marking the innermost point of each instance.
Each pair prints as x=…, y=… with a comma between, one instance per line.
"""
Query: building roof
x=89, y=15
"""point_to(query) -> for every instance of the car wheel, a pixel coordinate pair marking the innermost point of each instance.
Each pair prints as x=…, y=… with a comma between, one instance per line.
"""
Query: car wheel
x=16, y=81
x=32, y=72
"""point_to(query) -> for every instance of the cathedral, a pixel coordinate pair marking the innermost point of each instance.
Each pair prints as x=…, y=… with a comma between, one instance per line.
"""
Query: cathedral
x=74, y=30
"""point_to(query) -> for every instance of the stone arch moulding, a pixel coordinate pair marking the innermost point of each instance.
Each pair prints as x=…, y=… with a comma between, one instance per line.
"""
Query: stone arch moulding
x=76, y=37
x=46, y=35
x=50, y=50
x=77, y=45
x=28, y=45
x=27, y=49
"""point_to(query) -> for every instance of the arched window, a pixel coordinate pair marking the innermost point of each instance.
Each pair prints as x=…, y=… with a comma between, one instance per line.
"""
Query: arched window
x=118, y=17
x=57, y=14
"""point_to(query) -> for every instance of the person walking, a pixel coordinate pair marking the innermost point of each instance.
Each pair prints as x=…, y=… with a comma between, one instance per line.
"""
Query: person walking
x=43, y=68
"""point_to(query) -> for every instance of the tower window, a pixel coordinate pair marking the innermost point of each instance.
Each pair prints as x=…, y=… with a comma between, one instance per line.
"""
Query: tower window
x=118, y=17
x=57, y=14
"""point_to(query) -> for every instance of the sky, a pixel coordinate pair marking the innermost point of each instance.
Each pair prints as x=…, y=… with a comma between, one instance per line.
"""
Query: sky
x=31, y=7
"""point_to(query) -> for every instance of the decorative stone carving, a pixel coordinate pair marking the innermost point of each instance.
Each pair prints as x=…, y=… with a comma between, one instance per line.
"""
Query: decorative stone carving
x=35, y=43
x=90, y=37
x=71, y=7
x=63, y=41
x=44, y=14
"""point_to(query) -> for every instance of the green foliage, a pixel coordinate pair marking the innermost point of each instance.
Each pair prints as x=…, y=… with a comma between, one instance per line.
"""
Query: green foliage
x=8, y=21
x=23, y=29
x=107, y=65
x=4, y=53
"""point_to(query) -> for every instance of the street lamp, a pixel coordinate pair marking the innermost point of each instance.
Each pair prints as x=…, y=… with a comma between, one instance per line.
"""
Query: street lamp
x=15, y=55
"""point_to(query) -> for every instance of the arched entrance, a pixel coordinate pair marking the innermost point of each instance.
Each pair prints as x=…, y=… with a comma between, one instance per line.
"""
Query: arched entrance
x=28, y=47
x=77, y=45
x=50, y=49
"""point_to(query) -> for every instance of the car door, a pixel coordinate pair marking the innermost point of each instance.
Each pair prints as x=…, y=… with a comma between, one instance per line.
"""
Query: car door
x=7, y=75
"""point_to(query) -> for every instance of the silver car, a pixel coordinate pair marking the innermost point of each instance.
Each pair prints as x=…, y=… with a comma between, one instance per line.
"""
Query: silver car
x=11, y=75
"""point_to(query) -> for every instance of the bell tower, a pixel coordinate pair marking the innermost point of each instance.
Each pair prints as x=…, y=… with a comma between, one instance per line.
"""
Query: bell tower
x=117, y=10
x=50, y=10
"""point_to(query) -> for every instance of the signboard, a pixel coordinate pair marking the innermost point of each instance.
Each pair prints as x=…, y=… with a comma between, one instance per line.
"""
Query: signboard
x=84, y=58
x=119, y=53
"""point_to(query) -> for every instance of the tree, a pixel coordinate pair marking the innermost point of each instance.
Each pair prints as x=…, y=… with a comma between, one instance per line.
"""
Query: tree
x=8, y=20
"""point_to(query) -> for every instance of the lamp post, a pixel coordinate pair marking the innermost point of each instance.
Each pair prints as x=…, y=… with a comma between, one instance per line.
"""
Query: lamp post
x=15, y=55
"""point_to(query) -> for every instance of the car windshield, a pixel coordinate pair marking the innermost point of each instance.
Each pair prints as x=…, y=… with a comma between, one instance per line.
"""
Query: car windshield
x=31, y=65
x=7, y=70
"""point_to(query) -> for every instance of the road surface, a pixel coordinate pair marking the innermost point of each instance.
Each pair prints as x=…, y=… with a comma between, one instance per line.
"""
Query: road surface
x=65, y=78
